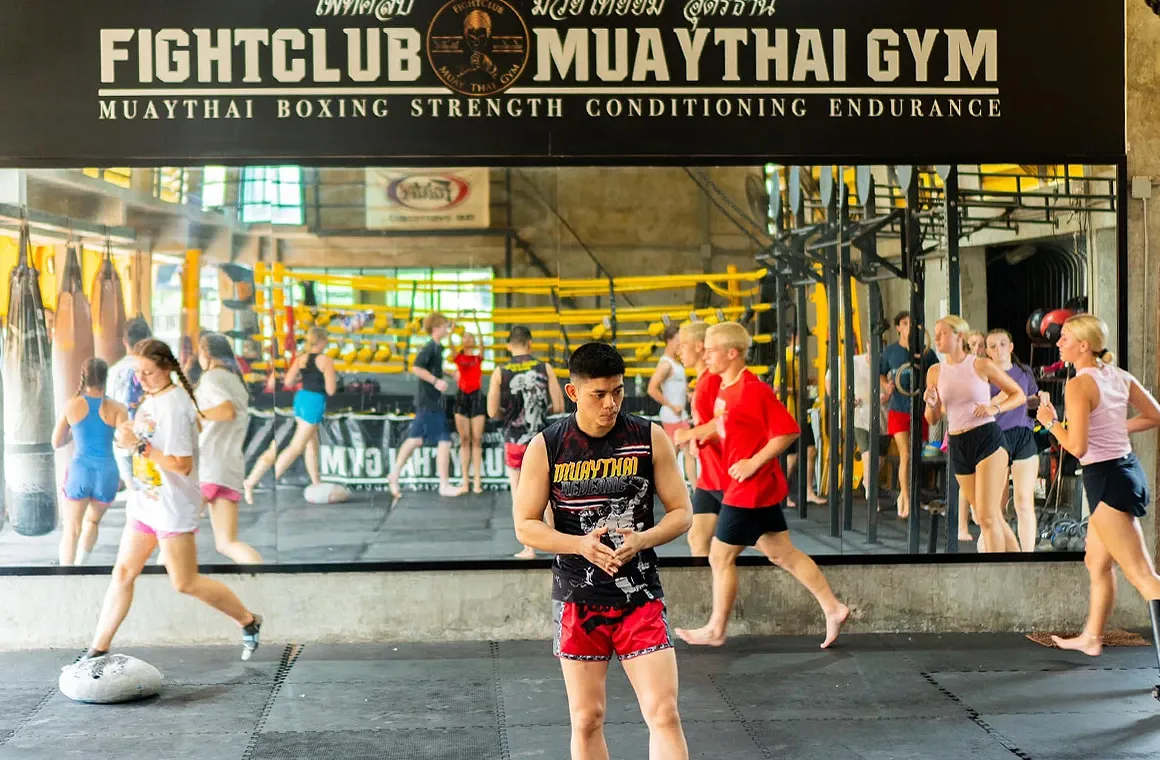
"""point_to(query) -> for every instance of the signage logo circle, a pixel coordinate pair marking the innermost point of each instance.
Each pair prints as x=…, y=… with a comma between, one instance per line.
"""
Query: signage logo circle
x=478, y=47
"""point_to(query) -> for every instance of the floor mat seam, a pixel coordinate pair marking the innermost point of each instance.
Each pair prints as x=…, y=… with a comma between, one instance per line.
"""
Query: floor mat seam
x=978, y=720
x=4, y=739
x=289, y=656
x=500, y=710
x=765, y=751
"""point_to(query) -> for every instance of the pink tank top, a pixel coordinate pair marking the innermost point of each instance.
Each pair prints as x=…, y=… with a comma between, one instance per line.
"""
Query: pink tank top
x=1107, y=426
x=961, y=390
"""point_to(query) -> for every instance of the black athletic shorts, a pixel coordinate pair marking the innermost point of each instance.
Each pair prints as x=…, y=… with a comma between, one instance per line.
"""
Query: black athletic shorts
x=1119, y=483
x=738, y=526
x=472, y=404
x=973, y=446
x=707, y=502
x=807, y=436
x=1020, y=443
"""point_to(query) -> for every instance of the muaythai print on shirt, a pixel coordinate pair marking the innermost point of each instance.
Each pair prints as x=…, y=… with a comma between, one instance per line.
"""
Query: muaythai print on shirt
x=597, y=483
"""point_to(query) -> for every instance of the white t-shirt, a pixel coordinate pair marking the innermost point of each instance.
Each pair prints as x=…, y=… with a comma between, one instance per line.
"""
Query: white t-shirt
x=221, y=461
x=675, y=389
x=862, y=390
x=864, y=385
x=163, y=500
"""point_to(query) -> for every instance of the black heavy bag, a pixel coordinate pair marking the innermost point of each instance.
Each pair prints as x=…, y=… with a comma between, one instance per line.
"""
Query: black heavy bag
x=29, y=471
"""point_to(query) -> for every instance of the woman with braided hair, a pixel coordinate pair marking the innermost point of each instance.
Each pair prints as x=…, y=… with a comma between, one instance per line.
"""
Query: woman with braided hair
x=165, y=501
x=91, y=480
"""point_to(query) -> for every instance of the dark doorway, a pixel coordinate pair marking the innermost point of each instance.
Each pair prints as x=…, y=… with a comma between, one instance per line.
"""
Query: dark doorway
x=1023, y=277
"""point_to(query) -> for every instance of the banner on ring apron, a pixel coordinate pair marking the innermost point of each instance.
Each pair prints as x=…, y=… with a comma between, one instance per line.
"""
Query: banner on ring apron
x=491, y=82
x=358, y=451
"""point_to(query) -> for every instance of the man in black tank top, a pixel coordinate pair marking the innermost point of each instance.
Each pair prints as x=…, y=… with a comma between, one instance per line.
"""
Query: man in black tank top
x=599, y=469
x=522, y=394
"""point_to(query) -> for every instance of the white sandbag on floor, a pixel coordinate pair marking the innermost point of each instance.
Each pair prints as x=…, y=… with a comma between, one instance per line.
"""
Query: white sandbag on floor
x=110, y=679
x=326, y=493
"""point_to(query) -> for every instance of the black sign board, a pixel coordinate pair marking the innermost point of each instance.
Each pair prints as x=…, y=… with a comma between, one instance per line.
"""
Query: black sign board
x=104, y=82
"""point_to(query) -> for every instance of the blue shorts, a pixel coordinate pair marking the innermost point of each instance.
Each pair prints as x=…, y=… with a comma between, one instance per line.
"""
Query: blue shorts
x=430, y=425
x=309, y=406
x=91, y=480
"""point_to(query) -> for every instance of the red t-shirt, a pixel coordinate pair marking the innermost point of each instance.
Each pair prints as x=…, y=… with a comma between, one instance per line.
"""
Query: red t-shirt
x=470, y=372
x=712, y=476
x=748, y=415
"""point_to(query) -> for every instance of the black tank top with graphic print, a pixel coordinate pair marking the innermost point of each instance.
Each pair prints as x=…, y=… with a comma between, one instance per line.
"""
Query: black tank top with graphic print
x=599, y=482
x=525, y=399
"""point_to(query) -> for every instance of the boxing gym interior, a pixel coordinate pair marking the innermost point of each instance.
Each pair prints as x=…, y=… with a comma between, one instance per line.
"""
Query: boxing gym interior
x=373, y=228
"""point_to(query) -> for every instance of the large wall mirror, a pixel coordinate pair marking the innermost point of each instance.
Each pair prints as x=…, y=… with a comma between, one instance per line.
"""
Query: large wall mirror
x=310, y=309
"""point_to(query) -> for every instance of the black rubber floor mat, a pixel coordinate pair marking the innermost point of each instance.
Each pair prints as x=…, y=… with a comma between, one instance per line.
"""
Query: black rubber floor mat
x=707, y=741
x=379, y=672
x=36, y=668
x=17, y=704
x=417, y=744
x=373, y=707
x=210, y=665
x=908, y=739
x=44, y=746
x=390, y=651
x=1109, y=736
x=835, y=696
x=1090, y=692
x=178, y=709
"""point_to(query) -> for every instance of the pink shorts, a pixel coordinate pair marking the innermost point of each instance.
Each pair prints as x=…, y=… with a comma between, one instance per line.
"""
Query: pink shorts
x=141, y=527
x=212, y=491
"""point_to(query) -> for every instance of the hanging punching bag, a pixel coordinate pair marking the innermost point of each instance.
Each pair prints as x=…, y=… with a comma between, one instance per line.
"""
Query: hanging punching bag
x=29, y=473
x=108, y=307
x=72, y=345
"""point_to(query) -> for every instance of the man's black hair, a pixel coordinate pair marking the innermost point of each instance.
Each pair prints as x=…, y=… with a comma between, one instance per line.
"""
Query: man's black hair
x=520, y=336
x=137, y=330
x=901, y=316
x=595, y=361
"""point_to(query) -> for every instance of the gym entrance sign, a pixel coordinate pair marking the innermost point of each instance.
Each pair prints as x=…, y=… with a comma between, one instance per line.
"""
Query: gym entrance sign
x=498, y=81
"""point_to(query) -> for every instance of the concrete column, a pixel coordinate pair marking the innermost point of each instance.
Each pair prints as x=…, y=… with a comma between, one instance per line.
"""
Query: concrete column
x=1143, y=133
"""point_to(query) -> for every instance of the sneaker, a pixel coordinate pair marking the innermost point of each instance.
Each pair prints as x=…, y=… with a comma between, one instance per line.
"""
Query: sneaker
x=251, y=641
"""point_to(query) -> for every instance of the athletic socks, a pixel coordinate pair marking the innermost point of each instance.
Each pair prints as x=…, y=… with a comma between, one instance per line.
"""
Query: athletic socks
x=81, y=558
x=251, y=637
x=93, y=654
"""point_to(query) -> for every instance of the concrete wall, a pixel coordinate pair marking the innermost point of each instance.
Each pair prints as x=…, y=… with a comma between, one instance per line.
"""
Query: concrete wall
x=50, y=612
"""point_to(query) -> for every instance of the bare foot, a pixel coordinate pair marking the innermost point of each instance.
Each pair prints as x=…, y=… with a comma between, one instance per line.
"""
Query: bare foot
x=702, y=636
x=449, y=492
x=527, y=553
x=834, y=622
x=396, y=494
x=1086, y=643
x=248, y=492
x=813, y=498
x=966, y=536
